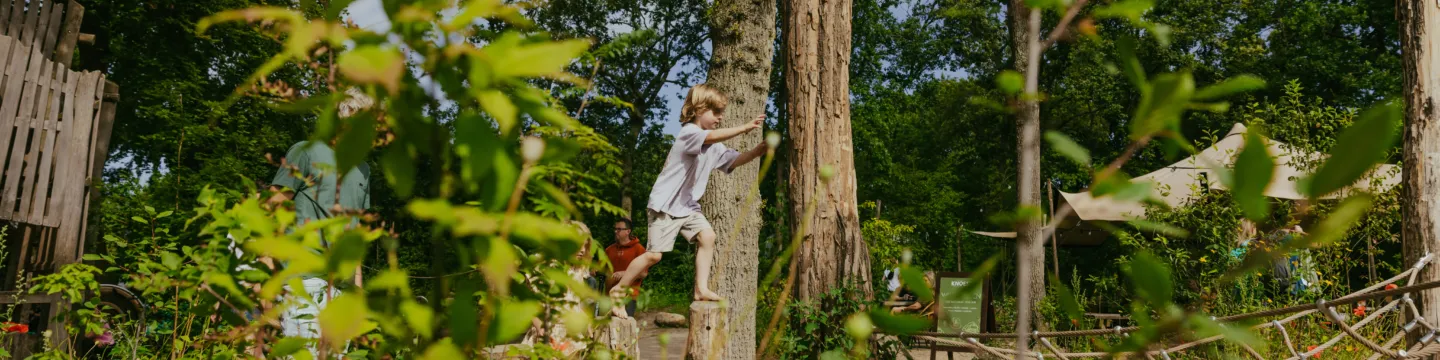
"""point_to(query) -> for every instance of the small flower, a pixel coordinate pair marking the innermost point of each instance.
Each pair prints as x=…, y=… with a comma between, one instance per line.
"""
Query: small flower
x=1390, y=287
x=1359, y=310
x=11, y=327
x=1312, y=348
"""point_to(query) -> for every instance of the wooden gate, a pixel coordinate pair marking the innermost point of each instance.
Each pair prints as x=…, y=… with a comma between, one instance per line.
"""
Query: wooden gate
x=54, y=135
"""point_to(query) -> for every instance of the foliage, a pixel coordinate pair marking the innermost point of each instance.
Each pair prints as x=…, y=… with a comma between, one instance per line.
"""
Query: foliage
x=815, y=329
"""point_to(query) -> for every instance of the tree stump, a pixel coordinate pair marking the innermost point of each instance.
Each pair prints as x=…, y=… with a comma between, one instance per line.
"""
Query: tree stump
x=621, y=335
x=707, y=331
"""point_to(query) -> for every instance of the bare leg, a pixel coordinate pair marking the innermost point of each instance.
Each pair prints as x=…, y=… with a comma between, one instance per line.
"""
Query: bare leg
x=637, y=266
x=703, y=257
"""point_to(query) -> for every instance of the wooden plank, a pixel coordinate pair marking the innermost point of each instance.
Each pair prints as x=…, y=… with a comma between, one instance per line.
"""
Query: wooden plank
x=9, y=297
x=51, y=205
x=17, y=19
x=39, y=192
x=22, y=134
x=30, y=170
x=65, y=48
x=52, y=31
x=41, y=28
x=7, y=45
x=45, y=252
x=69, y=231
x=32, y=22
x=5, y=14
x=14, y=84
x=100, y=153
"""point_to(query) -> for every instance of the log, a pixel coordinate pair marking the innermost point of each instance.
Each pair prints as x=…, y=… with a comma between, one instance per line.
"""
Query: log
x=707, y=331
x=621, y=335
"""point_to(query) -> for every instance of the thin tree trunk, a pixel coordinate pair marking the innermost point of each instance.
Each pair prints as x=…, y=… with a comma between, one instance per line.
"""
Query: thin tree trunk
x=833, y=254
x=742, y=35
x=627, y=168
x=1419, y=20
x=1030, y=254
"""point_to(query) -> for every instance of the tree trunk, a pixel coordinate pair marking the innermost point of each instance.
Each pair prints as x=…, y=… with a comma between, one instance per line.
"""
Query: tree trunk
x=1030, y=251
x=707, y=326
x=1421, y=170
x=833, y=254
x=742, y=35
x=627, y=168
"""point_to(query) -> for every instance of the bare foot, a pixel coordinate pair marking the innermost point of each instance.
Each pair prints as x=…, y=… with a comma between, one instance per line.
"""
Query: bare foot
x=707, y=295
x=619, y=312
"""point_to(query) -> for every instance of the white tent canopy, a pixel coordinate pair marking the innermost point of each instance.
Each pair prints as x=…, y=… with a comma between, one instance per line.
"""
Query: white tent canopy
x=1179, y=182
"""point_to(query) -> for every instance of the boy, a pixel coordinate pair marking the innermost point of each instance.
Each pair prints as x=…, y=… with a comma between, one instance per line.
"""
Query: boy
x=674, y=206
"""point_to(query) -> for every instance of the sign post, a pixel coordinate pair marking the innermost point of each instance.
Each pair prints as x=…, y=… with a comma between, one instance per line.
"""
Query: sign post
x=959, y=311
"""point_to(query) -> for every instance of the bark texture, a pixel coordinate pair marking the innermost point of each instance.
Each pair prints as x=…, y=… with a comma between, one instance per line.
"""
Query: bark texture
x=1419, y=21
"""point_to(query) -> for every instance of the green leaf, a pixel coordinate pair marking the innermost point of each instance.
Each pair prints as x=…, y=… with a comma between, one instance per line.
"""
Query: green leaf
x=1253, y=170
x=511, y=320
x=387, y=280
x=1126, y=9
x=344, y=255
x=464, y=317
x=1068, y=304
x=914, y=280
x=164, y=214
x=1340, y=220
x=834, y=355
x=139, y=219
x=343, y=318
x=1161, y=106
x=499, y=107
x=978, y=276
x=399, y=170
x=1130, y=64
x=419, y=317
x=898, y=324
x=377, y=65
x=1231, y=86
x=1357, y=150
x=1068, y=148
x=1206, y=327
x=539, y=59
x=443, y=350
x=1151, y=280
x=170, y=260
x=474, y=9
x=1158, y=227
x=92, y=257
x=859, y=326
x=286, y=346
x=355, y=142
x=500, y=263
x=1010, y=82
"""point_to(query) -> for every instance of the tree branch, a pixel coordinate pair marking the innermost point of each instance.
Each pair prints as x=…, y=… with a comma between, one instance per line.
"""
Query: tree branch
x=1064, y=25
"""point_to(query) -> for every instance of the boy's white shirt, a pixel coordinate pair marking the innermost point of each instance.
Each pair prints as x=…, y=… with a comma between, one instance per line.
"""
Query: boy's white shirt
x=682, y=181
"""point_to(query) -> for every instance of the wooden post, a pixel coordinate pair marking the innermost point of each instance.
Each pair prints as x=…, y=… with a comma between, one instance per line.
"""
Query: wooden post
x=70, y=34
x=1054, y=242
x=707, y=331
x=621, y=335
x=960, y=250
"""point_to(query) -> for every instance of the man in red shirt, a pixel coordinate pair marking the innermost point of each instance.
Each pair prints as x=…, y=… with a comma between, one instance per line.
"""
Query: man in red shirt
x=625, y=249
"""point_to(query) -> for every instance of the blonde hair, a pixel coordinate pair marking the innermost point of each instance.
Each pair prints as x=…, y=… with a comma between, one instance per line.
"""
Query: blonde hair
x=700, y=98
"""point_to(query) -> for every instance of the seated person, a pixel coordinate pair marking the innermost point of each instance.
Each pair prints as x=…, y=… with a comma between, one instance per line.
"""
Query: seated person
x=625, y=249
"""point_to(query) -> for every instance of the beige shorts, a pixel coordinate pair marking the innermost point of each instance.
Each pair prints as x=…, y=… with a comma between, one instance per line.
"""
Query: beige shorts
x=664, y=227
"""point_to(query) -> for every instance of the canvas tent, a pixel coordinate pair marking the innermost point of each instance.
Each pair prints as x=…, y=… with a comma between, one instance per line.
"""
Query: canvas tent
x=1177, y=183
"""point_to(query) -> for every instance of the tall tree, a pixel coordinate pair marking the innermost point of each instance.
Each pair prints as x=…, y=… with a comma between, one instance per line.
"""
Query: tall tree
x=1030, y=251
x=742, y=41
x=817, y=44
x=1419, y=21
